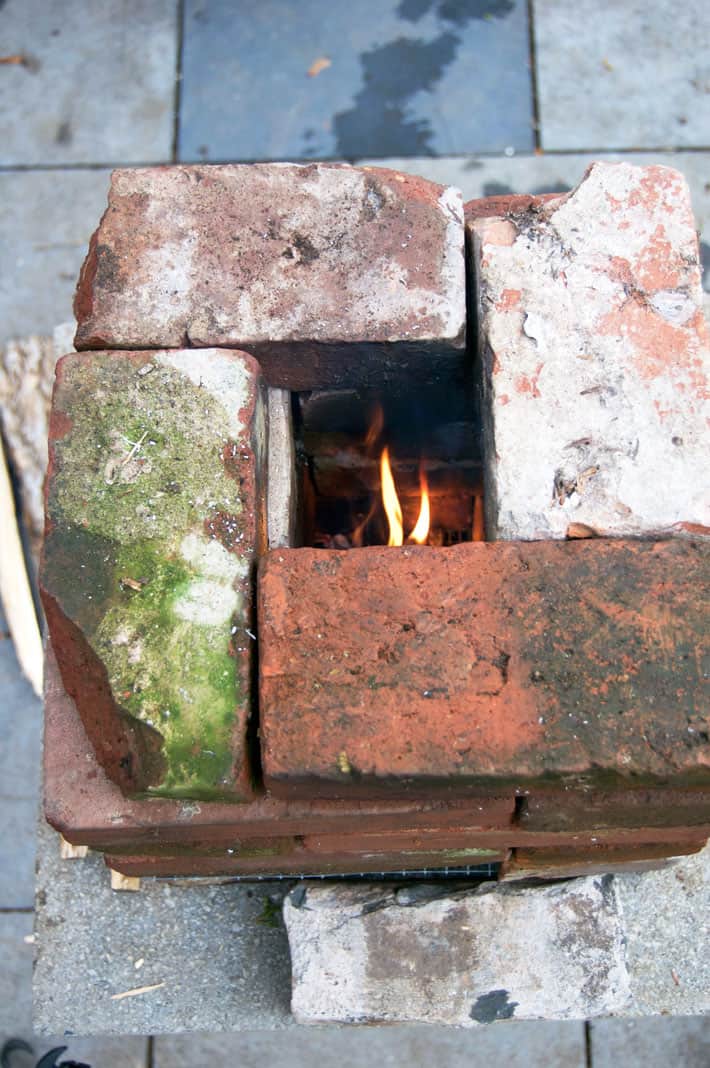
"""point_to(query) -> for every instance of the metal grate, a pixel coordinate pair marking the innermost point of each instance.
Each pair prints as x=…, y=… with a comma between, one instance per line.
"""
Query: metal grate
x=478, y=872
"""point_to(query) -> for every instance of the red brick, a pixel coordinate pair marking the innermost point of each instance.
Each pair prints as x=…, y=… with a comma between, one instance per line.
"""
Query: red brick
x=554, y=810
x=300, y=862
x=421, y=838
x=394, y=671
x=595, y=860
x=154, y=519
x=88, y=809
x=329, y=274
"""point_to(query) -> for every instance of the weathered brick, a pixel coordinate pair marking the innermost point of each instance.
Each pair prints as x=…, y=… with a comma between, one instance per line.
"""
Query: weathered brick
x=154, y=520
x=580, y=810
x=525, y=864
x=505, y=204
x=273, y=860
x=82, y=803
x=386, y=671
x=327, y=273
x=595, y=359
x=452, y=841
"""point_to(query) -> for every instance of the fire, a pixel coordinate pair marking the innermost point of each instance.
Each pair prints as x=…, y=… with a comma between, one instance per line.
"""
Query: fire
x=393, y=509
x=421, y=529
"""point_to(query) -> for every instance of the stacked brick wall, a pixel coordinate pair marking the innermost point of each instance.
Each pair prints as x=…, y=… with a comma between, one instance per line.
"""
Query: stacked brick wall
x=539, y=700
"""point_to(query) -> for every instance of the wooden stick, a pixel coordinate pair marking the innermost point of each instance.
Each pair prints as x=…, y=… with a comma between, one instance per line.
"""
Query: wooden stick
x=67, y=851
x=124, y=882
x=15, y=590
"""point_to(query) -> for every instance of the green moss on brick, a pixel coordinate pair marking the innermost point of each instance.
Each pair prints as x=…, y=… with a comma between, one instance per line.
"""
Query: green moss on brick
x=138, y=502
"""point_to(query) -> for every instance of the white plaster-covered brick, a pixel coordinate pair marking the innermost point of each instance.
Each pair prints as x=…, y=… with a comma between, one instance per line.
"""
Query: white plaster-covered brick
x=595, y=359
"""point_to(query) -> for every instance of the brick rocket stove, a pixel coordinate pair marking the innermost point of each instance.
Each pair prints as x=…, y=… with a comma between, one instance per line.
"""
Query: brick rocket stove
x=377, y=527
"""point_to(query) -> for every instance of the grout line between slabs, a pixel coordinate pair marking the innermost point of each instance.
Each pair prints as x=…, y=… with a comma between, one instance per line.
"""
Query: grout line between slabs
x=587, y=1044
x=15, y=910
x=24, y=168
x=177, y=101
x=532, y=50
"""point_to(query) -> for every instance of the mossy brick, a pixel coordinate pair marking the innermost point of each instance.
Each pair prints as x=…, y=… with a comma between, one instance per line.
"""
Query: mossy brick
x=155, y=518
x=419, y=671
x=329, y=274
x=595, y=358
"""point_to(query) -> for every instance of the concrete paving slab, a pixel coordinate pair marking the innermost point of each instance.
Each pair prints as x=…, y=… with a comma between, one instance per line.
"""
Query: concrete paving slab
x=318, y=80
x=129, y=1051
x=18, y=820
x=517, y=1045
x=656, y=1041
x=20, y=728
x=97, y=81
x=220, y=963
x=16, y=957
x=46, y=220
x=630, y=75
x=490, y=176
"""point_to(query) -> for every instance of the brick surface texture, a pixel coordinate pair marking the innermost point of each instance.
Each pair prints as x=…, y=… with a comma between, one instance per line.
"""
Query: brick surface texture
x=153, y=525
x=327, y=273
x=385, y=671
x=595, y=358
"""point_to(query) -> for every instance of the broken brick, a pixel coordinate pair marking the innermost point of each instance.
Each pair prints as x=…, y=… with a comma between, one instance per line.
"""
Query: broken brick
x=595, y=357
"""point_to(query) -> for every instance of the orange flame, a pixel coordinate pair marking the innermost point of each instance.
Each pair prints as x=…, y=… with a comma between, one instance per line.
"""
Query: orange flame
x=421, y=528
x=393, y=509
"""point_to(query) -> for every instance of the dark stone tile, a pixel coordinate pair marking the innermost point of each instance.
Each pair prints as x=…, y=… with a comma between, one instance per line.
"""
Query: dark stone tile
x=401, y=77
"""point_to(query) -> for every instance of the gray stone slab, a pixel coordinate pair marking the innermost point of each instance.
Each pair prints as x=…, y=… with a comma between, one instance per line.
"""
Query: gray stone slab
x=516, y=1045
x=222, y=965
x=656, y=1041
x=667, y=920
x=414, y=77
x=626, y=75
x=483, y=177
x=367, y=954
x=46, y=220
x=97, y=83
